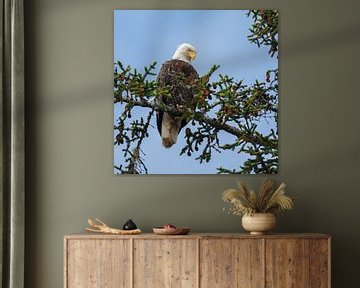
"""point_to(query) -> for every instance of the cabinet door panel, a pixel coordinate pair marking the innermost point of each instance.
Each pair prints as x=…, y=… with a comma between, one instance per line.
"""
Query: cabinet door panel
x=98, y=263
x=287, y=263
x=166, y=263
x=231, y=263
x=319, y=263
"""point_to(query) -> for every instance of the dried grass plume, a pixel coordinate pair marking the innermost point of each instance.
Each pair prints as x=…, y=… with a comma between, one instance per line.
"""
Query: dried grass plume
x=267, y=200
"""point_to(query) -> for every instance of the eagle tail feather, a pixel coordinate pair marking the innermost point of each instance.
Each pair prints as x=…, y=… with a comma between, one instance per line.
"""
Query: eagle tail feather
x=169, y=130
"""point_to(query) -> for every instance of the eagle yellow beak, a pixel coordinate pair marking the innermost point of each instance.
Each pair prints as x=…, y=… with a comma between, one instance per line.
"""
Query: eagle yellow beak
x=192, y=54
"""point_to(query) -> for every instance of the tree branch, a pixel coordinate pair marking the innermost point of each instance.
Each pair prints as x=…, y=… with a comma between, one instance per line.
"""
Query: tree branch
x=197, y=116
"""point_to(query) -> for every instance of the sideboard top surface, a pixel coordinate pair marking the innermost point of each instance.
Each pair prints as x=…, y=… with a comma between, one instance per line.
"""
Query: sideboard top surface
x=87, y=235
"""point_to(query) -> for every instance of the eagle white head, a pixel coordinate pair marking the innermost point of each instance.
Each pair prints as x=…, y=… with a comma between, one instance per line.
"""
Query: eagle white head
x=185, y=52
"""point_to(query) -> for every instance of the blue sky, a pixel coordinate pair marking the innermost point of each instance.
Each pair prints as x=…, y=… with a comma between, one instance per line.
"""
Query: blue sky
x=220, y=37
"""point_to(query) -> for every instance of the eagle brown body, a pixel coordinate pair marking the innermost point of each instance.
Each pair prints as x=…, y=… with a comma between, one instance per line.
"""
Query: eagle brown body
x=178, y=76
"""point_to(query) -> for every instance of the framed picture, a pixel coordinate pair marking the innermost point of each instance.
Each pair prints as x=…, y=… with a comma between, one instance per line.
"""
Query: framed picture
x=195, y=91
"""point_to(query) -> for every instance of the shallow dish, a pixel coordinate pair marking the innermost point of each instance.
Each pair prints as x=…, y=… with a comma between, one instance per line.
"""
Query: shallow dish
x=171, y=231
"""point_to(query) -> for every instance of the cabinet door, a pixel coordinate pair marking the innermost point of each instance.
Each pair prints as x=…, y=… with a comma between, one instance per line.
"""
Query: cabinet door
x=320, y=263
x=98, y=263
x=231, y=263
x=297, y=263
x=166, y=263
x=287, y=263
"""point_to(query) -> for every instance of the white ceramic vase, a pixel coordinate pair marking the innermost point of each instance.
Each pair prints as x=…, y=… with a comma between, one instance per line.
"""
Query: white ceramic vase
x=259, y=223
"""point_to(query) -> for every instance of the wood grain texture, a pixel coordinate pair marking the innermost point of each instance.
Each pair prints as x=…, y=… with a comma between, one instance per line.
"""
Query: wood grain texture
x=166, y=263
x=231, y=263
x=197, y=260
x=88, y=235
x=319, y=263
x=287, y=263
x=98, y=263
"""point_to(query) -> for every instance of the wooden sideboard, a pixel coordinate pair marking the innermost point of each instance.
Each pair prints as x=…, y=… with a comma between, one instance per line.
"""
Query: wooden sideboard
x=197, y=260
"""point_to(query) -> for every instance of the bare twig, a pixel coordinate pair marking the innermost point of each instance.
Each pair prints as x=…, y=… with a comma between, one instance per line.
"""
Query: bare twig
x=101, y=227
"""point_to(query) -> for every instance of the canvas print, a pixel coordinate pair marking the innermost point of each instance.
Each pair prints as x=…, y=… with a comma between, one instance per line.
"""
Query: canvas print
x=196, y=91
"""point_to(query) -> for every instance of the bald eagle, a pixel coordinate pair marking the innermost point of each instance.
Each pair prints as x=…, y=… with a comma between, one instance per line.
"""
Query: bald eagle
x=178, y=74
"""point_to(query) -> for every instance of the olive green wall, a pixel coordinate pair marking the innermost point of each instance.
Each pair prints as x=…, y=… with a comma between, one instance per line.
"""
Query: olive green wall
x=69, y=132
